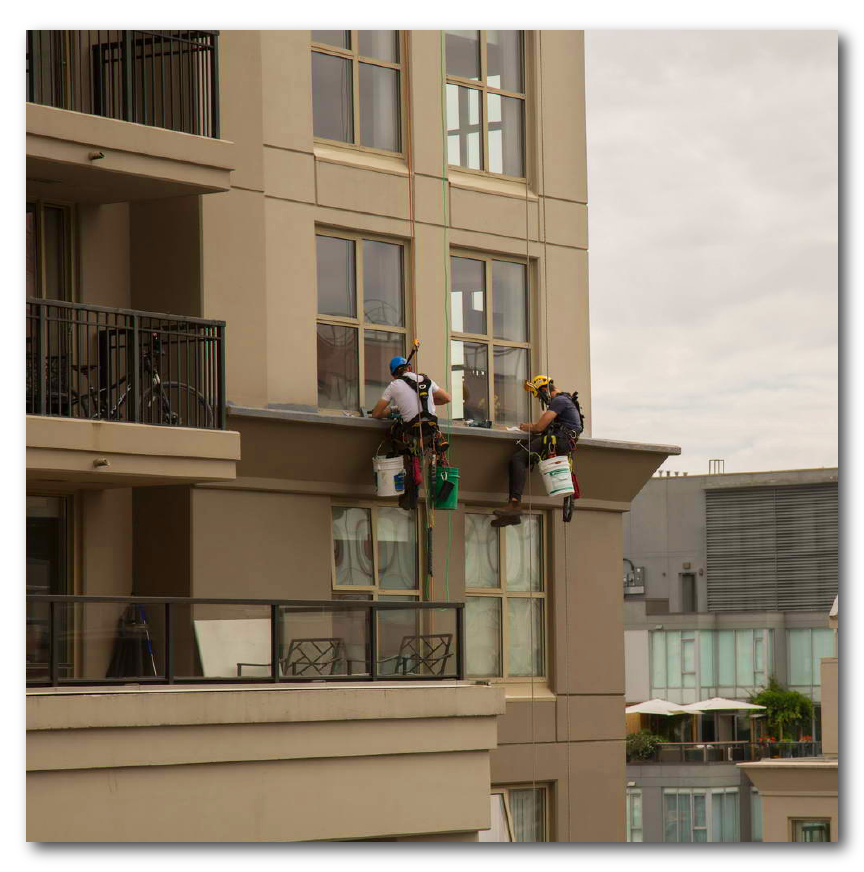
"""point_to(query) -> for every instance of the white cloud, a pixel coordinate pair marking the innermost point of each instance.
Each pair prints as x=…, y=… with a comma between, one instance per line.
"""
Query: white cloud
x=713, y=244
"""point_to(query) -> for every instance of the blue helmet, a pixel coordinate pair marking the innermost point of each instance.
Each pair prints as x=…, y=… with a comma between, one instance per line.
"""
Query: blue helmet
x=395, y=363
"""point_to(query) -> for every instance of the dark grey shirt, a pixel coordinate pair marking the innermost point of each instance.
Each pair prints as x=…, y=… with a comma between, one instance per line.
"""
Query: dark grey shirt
x=565, y=412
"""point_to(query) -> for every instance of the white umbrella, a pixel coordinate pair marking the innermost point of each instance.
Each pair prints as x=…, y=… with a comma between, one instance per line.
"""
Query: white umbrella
x=657, y=707
x=718, y=704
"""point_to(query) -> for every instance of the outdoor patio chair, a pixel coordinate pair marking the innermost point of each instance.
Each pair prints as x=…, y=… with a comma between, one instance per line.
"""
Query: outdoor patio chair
x=324, y=656
x=427, y=654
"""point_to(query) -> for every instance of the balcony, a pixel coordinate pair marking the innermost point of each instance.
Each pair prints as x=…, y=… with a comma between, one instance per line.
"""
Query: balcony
x=103, y=641
x=728, y=752
x=118, y=115
x=104, y=384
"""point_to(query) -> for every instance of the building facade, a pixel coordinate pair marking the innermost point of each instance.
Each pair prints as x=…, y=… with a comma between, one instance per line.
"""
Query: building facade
x=728, y=581
x=229, y=235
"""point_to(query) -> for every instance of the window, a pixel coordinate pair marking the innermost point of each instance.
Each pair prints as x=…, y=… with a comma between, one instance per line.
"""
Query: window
x=519, y=814
x=49, y=568
x=687, y=665
x=634, y=815
x=356, y=87
x=810, y=829
x=486, y=100
x=806, y=649
x=375, y=551
x=490, y=349
x=49, y=251
x=505, y=602
x=700, y=815
x=361, y=317
x=755, y=815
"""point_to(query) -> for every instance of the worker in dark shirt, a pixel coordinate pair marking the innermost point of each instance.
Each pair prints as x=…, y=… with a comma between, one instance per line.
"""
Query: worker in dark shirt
x=561, y=417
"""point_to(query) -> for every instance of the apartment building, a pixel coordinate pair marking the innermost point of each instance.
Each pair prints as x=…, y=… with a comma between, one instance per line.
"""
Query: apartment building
x=229, y=235
x=728, y=581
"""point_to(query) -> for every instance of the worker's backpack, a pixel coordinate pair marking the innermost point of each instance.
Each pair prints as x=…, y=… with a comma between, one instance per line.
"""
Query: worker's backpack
x=421, y=385
x=575, y=398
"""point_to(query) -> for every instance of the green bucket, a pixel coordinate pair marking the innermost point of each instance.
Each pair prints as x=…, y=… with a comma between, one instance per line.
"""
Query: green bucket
x=446, y=487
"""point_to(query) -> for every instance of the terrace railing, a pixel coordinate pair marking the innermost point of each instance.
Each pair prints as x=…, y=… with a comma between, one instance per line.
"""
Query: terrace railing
x=96, y=640
x=104, y=364
x=161, y=78
x=728, y=752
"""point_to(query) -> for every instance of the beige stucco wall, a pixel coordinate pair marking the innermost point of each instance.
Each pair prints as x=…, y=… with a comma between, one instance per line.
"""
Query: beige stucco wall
x=830, y=706
x=226, y=765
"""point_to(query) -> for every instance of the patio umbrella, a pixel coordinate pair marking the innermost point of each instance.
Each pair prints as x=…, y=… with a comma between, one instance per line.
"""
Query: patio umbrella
x=658, y=707
x=718, y=704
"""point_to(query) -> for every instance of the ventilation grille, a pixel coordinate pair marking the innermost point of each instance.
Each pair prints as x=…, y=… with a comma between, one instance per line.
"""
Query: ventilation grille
x=772, y=548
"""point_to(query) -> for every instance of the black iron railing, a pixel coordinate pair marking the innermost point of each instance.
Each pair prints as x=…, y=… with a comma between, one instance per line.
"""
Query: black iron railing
x=105, y=364
x=161, y=78
x=728, y=752
x=95, y=640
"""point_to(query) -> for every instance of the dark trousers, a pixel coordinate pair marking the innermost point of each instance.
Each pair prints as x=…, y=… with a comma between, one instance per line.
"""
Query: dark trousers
x=519, y=462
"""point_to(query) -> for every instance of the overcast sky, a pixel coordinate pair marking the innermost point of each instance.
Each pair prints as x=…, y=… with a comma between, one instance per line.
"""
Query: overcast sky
x=712, y=202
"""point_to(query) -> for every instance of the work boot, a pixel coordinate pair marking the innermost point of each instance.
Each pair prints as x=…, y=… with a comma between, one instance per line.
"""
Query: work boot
x=510, y=520
x=514, y=507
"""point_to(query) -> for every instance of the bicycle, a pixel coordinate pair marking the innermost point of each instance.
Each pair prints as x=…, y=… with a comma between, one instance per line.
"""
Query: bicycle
x=157, y=402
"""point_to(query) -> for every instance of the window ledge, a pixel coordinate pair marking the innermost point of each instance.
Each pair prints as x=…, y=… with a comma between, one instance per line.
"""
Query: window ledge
x=353, y=157
x=489, y=184
x=523, y=693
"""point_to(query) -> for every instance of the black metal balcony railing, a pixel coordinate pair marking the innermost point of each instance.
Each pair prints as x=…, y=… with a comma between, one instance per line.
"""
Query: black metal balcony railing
x=105, y=364
x=95, y=640
x=160, y=78
x=728, y=752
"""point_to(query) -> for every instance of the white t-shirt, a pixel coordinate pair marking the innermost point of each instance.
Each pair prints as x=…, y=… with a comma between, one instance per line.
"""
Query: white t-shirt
x=405, y=398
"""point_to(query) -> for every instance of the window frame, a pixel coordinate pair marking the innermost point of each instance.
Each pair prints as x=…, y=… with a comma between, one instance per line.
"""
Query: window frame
x=793, y=821
x=375, y=592
x=359, y=323
x=484, y=102
x=633, y=791
x=488, y=339
x=502, y=595
x=542, y=789
x=38, y=206
x=709, y=793
x=353, y=55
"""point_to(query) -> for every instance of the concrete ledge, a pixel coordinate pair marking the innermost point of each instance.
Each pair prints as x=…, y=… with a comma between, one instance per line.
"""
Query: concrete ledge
x=177, y=706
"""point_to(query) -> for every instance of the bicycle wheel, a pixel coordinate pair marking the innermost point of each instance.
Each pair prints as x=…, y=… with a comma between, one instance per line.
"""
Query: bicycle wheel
x=177, y=405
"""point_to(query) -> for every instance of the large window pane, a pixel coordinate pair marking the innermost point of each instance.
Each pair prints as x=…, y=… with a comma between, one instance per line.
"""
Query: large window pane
x=744, y=658
x=670, y=816
x=811, y=831
x=352, y=546
x=379, y=108
x=397, y=549
x=383, y=45
x=823, y=646
x=511, y=373
x=525, y=628
x=528, y=814
x=504, y=60
x=379, y=347
x=338, y=378
x=658, y=659
x=339, y=38
x=510, y=296
x=755, y=816
x=469, y=363
x=337, y=293
x=464, y=127
x=725, y=658
x=462, y=48
x=524, y=555
x=383, y=283
x=483, y=636
x=467, y=295
x=332, y=115
x=506, y=135
x=673, y=658
x=707, y=677
x=800, y=658
x=481, y=552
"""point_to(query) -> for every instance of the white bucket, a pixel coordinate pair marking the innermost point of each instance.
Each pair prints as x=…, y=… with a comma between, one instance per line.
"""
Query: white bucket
x=389, y=475
x=556, y=476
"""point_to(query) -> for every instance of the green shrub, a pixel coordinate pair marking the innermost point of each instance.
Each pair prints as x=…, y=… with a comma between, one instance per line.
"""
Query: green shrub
x=783, y=709
x=643, y=745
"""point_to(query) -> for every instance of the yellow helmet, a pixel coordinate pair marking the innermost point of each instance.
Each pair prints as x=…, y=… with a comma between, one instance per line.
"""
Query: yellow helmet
x=539, y=384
